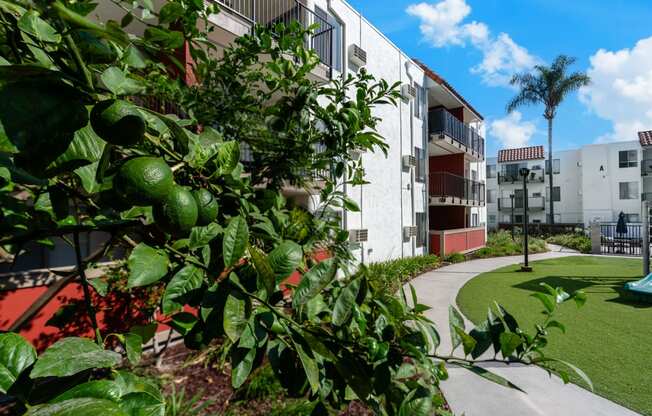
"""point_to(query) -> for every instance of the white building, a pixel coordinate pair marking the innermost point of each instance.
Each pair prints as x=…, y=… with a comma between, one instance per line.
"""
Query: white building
x=593, y=183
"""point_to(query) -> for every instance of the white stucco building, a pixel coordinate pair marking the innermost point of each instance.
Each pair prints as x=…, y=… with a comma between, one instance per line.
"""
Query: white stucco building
x=593, y=183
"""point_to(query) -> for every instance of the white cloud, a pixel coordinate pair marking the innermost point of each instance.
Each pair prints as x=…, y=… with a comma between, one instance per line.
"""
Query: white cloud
x=442, y=24
x=512, y=131
x=621, y=90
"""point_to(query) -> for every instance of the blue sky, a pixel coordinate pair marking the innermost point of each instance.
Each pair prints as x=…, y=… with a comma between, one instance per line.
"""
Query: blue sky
x=456, y=37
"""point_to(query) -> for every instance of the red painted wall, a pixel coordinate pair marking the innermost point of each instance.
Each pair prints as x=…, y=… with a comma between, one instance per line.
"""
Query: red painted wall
x=458, y=113
x=462, y=241
x=448, y=163
x=447, y=218
x=435, y=244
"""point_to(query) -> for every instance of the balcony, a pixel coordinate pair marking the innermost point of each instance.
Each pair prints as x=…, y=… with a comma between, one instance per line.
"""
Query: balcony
x=271, y=12
x=534, y=203
x=646, y=196
x=450, y=189
x=463, y=240
x=511, y=178
x=646, y=167
x=454, y=136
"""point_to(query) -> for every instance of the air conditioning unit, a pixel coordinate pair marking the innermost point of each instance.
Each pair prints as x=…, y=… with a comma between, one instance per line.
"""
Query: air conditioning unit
x=357, y=55
x=408, y=91
x=358, y=236
x=409, y=232
x=409, y=161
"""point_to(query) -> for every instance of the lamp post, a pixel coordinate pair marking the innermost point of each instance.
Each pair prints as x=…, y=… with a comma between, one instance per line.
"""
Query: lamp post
x=512, y=217
x=525, y=172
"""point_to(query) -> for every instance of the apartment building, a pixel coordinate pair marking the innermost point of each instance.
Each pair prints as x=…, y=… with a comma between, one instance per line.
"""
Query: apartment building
x=593, y=183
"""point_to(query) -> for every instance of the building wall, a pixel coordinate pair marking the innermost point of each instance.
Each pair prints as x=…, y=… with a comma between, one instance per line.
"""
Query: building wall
x=392, y=198
x=589, y=180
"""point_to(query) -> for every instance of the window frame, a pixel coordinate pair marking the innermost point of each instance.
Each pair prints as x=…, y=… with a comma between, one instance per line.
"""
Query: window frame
x=628, y=194
x=421, y=221
x=627, y=162
x=492, y=171
x=420, y=173
x=556, y=166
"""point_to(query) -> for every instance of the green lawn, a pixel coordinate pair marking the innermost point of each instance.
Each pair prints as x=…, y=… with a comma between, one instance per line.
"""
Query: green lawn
x=610, y=338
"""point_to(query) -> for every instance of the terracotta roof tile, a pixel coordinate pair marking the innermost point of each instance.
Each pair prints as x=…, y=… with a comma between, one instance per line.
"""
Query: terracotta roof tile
x=645, y=137
x=441, y=81
x=523, y=153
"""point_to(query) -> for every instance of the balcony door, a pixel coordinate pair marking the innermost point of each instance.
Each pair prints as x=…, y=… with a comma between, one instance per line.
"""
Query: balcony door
x=519, y=199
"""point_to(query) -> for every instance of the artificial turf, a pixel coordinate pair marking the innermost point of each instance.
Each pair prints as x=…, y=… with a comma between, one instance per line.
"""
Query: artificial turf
x=610, y=338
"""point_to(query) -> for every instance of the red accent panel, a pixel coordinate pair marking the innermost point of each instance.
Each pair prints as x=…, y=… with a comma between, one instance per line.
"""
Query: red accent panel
x=476, y=239
x=455, y=243
x=458, y=113
x=453, y=163
x=435, y=244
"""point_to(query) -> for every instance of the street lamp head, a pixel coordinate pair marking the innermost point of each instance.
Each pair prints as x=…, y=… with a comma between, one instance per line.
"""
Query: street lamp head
x=524, y=171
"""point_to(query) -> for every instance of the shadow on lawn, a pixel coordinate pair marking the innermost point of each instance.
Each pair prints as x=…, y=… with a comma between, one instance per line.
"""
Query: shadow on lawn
x=601, y=285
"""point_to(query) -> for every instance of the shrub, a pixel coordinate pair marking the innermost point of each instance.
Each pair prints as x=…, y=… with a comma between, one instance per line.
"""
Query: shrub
x=501, y=244
x=579, y=242
x=388, y=276
x=454, y=258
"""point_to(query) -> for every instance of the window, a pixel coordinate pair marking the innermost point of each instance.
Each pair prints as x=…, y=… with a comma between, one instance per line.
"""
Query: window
x=536, y=221
x=628, y=190
x=474, y=220
x=420, y=171
x=518, y=219
x=556, y=193
x=422, y=229
x=492, y=219
x=536, y=195
x=491, y=196
x=419, y=102
x=535, y=167
x=336, y=36
x=491, y=171
x=627, y=159
x=555, y=166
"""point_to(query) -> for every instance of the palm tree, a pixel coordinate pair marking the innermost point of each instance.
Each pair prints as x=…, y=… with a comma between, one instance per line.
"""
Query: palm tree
x=548, y=85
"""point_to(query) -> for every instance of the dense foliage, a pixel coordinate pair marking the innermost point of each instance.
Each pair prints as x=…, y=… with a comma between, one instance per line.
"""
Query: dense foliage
x=85, y=147
x=500, y=243
x=579, y=242
x=388, y=276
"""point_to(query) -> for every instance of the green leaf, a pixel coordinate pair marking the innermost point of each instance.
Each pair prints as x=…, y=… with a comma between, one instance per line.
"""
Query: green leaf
x=142, y=404
x=200, y=236
x=345, y=302
x=285, y=258
x=101, y=286
x=455, y=319
x=78, y=407
x=242, y=362
x=236, y=238
x=314, y=281
x=509, y=341
x=72, y=355
x=96, y=389
x=85, y=148
x=556, y=324
x=546, y=300
x=467, y=341
x=133, y=347
x=116, y=81
x=183, y=322
x=576, y=370
x=146, y=332
x=38, y=117
x=168, y=39
x=228, y=157
x=146, y=265
x=350, y=204
x=32, y=24
x=235, y=315
x=263, y=268
x=204, y=147
x=171, y=12
x=580, y=298
x=16, y=354
x=488, y=375
x=307, y=361
x=186, y=280
x=417, y=403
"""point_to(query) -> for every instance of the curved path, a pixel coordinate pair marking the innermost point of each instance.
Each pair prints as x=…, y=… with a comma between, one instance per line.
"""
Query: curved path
x=471, y=395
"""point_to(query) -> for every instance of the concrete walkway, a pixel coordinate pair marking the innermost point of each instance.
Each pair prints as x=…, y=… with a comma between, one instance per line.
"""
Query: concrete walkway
x=471, y=395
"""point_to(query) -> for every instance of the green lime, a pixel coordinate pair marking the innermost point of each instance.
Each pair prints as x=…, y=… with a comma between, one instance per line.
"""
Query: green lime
x=178, y=212
x=118, y=122
x=206, y=205
x=143, y=180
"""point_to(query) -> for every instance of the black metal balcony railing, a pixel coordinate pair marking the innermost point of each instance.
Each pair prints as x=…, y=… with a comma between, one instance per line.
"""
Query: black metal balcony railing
x=646, y=167
x=534, y=203
x=441, y=121
x=646, y=196
x=271, y=12
x=445, y=185
x=514, y=177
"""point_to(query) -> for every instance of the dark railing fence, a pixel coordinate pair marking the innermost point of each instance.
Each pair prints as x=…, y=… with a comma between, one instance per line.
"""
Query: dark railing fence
x=545, y=229
x=516, y=178
x=441, y=121
x=271, y=12
x=646, y=196
x=533, y=203
x=646, y=167
x=445, y=184
x=628, y=243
